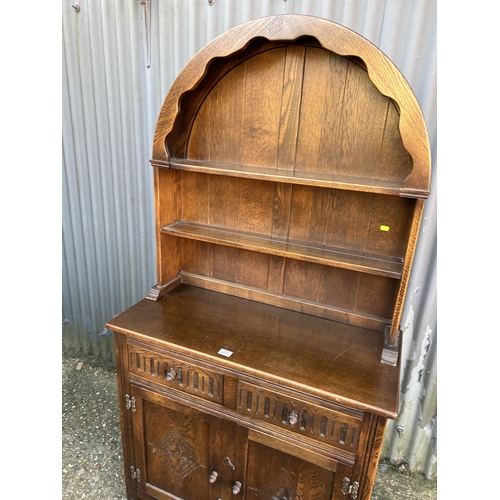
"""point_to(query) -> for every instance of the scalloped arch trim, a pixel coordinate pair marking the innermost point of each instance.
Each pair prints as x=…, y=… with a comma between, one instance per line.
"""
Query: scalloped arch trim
x=333, y=37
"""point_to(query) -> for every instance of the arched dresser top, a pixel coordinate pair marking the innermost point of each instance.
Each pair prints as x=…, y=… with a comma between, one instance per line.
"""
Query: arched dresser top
x=332, y=37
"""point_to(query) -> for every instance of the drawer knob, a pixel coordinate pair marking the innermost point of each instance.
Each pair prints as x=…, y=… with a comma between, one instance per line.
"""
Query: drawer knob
x=171, y=375
x=236, y=488
x=213, y=477
x=293, y=418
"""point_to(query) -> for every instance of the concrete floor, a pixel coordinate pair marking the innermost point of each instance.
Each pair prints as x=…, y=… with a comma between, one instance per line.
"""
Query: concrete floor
x=92, y=462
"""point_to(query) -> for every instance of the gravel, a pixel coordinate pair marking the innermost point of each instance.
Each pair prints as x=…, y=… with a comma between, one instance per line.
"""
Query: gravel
x=92, y=460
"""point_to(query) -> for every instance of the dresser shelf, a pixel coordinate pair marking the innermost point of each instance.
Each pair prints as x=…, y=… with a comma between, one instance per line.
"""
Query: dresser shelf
x=322, y=179
x=372, y=264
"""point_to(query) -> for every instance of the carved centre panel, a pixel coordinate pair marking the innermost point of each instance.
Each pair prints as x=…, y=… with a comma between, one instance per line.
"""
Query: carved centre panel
x=179, y=455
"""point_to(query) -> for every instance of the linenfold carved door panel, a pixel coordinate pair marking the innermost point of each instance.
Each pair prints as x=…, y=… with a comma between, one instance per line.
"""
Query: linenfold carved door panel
x=176, y=448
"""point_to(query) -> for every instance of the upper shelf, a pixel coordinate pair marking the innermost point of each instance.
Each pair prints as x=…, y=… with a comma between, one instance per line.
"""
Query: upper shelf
x=321, y=179
x=371, y=264
x=301, y=91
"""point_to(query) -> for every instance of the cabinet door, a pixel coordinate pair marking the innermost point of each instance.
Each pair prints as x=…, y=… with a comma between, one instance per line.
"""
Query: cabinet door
x=176, y=449
x=277, y=470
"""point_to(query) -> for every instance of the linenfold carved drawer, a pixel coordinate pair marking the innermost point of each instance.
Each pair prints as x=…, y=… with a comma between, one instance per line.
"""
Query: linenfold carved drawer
x=177, y=374
x=323, y=424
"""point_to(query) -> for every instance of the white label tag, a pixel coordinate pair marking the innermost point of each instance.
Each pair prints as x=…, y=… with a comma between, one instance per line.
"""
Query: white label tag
x=225, y=352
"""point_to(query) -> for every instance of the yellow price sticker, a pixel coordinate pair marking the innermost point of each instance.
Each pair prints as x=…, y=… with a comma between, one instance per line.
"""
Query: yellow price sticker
x=384, y=228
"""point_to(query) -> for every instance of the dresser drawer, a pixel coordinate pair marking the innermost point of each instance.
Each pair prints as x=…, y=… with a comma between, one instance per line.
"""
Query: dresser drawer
x=172, y=372
x=334, y=427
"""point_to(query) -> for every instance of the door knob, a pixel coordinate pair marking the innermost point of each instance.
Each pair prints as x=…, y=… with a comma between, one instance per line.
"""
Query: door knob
x=213, y=477
x=236, y=488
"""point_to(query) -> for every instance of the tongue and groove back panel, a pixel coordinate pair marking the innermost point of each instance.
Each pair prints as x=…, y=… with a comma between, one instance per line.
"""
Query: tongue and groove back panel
x=300, y=110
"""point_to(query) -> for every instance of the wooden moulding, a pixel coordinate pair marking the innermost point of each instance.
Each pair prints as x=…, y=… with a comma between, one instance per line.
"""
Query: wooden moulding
x=158, y=291
x=333, y=37
x=392, y=335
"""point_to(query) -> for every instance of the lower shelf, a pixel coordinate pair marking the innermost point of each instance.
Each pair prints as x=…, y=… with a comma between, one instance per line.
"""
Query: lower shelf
x=294, y=304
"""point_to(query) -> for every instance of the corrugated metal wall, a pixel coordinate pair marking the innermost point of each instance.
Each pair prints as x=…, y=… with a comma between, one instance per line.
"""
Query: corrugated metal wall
x=119, y=59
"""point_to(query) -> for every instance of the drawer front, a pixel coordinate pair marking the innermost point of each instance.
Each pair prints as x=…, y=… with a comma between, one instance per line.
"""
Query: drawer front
x=332, y=427
x=175, y=373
